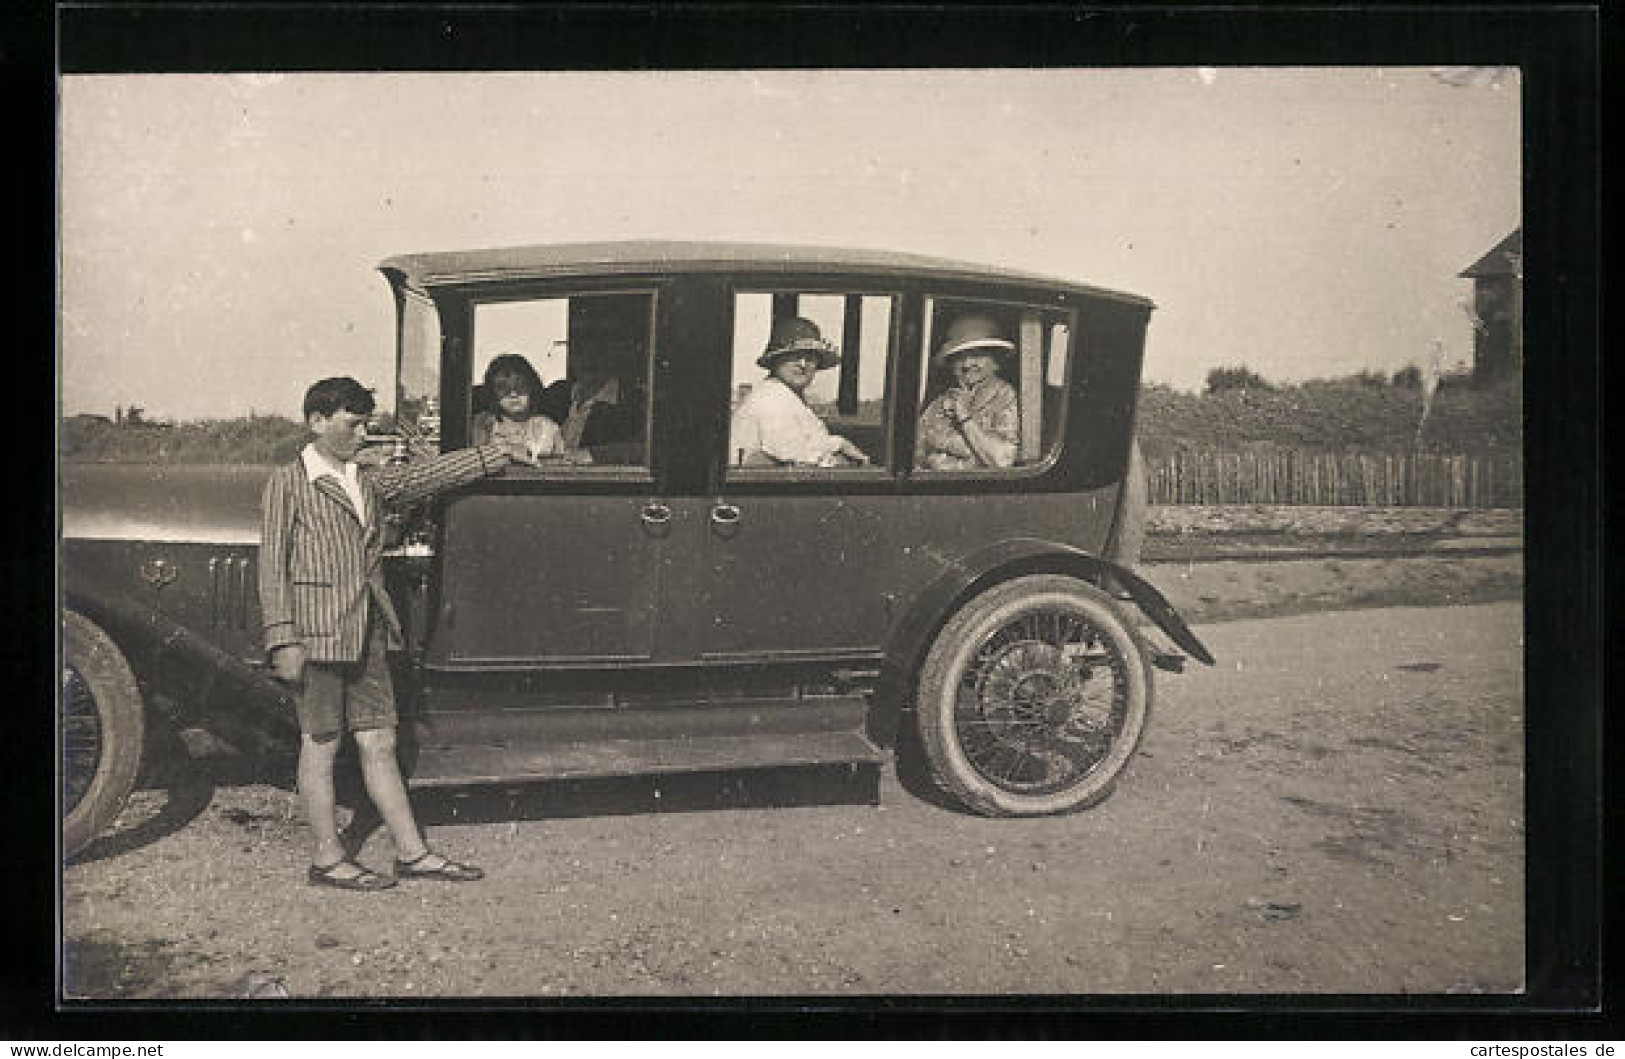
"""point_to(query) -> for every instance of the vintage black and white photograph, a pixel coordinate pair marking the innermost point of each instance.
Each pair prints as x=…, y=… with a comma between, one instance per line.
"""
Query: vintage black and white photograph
x=824, y=533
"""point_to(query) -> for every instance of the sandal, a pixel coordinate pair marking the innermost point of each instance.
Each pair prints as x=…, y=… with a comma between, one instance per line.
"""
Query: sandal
x=364, y=879
x=447, y=870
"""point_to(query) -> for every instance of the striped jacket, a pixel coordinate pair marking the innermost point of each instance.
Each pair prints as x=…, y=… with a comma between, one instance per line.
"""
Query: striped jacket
x=319, y=564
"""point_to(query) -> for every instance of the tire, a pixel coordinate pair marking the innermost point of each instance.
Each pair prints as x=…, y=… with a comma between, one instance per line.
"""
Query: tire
x=103, y=728
x=1033, y=698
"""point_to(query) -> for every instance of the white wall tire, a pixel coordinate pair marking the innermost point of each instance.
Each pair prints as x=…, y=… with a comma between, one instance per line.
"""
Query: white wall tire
x=102, y=728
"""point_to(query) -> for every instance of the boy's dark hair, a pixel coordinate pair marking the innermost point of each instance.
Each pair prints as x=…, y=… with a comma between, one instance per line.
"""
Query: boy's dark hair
x=513, y=365
x=327, y=396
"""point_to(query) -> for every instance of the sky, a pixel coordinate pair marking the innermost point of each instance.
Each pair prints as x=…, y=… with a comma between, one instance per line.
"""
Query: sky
x=219, y=234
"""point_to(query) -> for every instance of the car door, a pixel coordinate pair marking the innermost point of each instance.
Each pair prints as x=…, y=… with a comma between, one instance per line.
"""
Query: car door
x=788, y=563
x=547, y=576
x=790, y=575
x=559, y=564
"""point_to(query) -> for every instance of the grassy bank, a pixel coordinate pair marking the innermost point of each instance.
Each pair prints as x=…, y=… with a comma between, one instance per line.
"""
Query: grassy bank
x=253, y=439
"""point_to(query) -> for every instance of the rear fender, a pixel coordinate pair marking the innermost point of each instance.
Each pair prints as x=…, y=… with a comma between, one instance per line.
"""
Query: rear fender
x=1162, y=613
x=1018, y=557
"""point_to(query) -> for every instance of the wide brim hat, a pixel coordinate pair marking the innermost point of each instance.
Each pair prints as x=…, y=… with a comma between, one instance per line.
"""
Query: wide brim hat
x=972, y=334
x=796, y=334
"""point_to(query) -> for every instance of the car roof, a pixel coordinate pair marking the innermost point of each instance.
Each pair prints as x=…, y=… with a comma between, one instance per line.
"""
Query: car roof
x=545, y=261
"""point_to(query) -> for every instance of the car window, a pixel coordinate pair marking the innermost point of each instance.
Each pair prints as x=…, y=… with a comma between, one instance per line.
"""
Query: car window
x=993, y=386
x=782, y=422
x=583, y=361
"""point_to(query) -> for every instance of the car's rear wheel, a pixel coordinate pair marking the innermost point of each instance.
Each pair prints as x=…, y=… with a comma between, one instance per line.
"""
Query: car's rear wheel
x=103, y=728
x=1033, y=698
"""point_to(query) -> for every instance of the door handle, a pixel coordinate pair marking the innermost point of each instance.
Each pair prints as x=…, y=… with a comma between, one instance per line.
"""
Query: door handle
x=725, y=515
x=655, y=514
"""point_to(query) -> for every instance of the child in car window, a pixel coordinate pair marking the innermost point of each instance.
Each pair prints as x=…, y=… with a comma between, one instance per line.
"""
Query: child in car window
x=515, y=391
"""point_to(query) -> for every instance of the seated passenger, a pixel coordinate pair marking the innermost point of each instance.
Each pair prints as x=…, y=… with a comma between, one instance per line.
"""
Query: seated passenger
x=976, y=422
x=515, y=391
x=773, y=425
x=599, y=408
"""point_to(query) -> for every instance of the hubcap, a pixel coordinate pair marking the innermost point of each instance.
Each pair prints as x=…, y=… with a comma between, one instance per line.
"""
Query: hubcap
x=81, y=737
x=1041, y=703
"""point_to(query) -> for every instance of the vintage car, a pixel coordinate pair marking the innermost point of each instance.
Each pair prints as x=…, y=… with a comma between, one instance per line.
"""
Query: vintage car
x=668, y=605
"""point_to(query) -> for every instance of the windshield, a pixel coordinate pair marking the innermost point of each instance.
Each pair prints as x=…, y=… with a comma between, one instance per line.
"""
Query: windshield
x=417, y=367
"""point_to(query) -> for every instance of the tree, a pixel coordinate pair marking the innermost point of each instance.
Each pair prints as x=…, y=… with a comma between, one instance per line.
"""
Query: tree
x=1239, y=377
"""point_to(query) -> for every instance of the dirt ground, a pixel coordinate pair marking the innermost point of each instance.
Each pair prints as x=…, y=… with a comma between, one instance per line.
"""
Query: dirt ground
x=1226, y=591
x=1334, y=807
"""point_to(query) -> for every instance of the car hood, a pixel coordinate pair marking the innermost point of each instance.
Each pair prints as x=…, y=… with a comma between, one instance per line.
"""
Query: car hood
x=162, y=502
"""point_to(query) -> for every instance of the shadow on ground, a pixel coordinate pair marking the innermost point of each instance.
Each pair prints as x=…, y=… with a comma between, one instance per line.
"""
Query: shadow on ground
x=188, y=781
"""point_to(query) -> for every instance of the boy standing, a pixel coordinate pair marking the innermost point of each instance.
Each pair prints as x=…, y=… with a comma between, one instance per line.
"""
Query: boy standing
x=328, y=620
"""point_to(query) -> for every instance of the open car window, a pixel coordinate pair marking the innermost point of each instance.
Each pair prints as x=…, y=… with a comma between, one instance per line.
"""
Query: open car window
x=993, y=387
x=776, y=430
x=583, y=361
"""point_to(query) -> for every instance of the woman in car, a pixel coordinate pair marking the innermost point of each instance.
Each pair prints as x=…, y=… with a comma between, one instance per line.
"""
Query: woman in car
x=515, y=392
x=773, y=425
x=976, y=422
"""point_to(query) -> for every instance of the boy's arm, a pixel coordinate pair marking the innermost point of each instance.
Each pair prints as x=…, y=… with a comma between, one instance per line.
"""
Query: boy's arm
x=276, y=537
x=407, y=483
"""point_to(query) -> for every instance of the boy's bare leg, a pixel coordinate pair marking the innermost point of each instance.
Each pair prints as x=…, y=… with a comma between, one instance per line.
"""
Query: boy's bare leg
x=316, y=793
x=382, y=772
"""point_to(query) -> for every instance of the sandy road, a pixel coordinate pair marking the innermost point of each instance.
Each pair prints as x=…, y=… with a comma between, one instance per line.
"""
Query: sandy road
x=1335, y=807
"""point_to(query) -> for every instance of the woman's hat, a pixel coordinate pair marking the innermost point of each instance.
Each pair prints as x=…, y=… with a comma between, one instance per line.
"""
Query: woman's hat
x=972, y=333
x=796, y=334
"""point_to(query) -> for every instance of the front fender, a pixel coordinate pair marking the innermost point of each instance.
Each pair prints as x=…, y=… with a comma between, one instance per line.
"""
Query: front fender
x=160, y=647
x=1017, y=557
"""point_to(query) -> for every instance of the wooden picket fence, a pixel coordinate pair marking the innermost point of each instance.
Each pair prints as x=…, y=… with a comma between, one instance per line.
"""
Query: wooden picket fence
x=1305, y=476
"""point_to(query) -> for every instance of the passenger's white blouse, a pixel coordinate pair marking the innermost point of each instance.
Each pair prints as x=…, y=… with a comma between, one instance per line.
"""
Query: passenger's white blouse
x=774, y=421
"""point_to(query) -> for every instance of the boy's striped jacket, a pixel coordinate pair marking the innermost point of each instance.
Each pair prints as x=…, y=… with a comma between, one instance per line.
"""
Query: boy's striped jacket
x=320, y=563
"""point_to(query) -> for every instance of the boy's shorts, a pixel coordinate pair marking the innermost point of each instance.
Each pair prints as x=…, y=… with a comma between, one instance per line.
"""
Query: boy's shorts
x=348, y=696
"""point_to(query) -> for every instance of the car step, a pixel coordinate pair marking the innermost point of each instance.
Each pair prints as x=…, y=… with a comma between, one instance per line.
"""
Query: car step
x=478, y=764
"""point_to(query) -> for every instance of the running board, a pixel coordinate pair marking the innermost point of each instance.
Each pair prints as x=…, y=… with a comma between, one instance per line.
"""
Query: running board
x=472, y=747
x=473, y=764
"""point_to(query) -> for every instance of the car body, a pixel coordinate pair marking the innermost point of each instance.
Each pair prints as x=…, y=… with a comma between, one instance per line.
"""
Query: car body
x=666, y=606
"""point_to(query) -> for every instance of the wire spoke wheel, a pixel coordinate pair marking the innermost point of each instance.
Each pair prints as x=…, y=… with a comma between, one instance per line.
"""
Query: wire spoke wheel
x=1041, y=705
x=1033, y=698
x=81, y=738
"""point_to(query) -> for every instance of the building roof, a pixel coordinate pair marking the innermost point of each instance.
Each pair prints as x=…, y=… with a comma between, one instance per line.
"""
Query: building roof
x=1505, y=260
x=452, y=267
